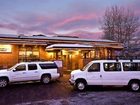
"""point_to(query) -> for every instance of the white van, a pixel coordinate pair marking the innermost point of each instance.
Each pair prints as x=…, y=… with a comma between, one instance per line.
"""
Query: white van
x=108, y=72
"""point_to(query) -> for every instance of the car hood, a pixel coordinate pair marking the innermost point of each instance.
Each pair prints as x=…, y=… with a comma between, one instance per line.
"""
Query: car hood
x=3, y=70
x=76, y=71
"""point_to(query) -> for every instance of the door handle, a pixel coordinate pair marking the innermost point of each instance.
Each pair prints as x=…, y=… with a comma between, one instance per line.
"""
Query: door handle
x=36, y=71
x=24, y=73
x=100, y=76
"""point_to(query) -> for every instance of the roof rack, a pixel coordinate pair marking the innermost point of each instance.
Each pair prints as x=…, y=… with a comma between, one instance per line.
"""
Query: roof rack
x=131, y=58
x=67, y=36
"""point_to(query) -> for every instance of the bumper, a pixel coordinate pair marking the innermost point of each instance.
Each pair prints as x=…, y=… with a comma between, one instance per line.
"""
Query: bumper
x=56, y=76
x=72, y=82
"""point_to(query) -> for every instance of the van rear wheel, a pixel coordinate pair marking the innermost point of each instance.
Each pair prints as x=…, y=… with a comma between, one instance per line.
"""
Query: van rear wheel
x=80, y=85
x=134, y=86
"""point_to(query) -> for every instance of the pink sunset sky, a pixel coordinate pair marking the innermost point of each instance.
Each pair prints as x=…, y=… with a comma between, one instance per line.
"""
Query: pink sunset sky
x=65, y=17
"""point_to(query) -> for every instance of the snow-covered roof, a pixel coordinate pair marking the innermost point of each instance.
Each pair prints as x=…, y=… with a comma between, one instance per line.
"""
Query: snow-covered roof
x=69, y=38
x=52, y=37
x=8, y=36
x=69, y=46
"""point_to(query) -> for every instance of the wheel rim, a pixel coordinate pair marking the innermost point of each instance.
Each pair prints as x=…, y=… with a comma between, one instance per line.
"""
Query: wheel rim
x=135, y=86
x=46, y=80
x=3, y=83
x=81, y=86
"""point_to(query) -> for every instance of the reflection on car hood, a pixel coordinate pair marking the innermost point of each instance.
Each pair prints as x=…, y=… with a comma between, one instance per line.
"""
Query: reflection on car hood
x=76, y=71
x=3, y=70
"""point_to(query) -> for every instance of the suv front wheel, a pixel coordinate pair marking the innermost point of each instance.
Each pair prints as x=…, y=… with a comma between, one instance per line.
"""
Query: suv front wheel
x=45, y=79
x=3, y=82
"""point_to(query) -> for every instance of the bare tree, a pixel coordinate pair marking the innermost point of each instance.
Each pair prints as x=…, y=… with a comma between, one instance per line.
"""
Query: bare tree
x=120, y=24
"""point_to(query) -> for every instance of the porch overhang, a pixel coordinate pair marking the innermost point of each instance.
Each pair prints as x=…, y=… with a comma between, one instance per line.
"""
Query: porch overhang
x=69, y=46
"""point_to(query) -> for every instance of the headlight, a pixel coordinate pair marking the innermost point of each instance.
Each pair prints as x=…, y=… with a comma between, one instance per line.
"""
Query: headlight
x=72, y=77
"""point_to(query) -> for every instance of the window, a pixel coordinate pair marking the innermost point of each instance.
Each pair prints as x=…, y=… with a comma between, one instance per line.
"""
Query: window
x=48, y=65
x=94, y=67
x=112, y=66
x=131, y=66
x=32, y=67
x=21, y=67
x=28, y=53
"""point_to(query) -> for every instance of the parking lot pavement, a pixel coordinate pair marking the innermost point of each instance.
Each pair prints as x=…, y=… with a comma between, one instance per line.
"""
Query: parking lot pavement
x=61, y=93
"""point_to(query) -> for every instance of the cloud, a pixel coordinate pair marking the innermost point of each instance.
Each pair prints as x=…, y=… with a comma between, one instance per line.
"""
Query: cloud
x=26, y=23
x=75, y=19
x=71, y=16
x=10, y=26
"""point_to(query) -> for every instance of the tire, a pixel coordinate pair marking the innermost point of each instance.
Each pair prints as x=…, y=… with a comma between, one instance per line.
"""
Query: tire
x=134, y=86
x=80, y=85
x=45, y=79
x=3, y=82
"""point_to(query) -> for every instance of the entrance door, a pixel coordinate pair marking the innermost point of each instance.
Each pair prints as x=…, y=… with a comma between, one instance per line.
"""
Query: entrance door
x=71, y=60
x=67, y=62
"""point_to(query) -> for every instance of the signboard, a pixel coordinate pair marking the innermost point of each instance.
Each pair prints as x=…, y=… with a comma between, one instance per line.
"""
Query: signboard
x=5, y=48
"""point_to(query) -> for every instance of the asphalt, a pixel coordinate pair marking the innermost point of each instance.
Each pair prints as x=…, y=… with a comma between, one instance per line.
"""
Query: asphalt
x=61, y=93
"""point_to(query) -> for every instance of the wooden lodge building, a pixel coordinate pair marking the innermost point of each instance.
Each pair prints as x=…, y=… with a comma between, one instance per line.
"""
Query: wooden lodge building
x=74, y=52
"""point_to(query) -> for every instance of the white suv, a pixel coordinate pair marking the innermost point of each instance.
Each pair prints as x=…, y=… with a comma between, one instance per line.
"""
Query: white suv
x=108, y=72
x=29, y=71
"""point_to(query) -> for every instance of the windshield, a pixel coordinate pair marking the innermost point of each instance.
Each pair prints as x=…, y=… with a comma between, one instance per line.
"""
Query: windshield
x=84, y=68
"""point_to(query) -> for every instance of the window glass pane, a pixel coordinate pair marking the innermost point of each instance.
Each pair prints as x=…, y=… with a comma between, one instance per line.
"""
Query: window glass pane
x=21, y=68
x=48, y=65
x=112, y=67
x=94, y=67
x=131, y=66
x=138, y=68
x=32, y=67
x=127, y=66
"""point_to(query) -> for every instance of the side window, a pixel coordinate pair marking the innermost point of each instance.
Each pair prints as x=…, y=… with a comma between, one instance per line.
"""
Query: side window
x=21, y=67
x=95, y=67
x=112, y=67
x=48, y=65
x=138, y=66
x=131, y=66
x=32, y=67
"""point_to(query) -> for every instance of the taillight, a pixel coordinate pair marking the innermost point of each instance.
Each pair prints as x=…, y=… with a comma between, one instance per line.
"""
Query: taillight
x=58, y=70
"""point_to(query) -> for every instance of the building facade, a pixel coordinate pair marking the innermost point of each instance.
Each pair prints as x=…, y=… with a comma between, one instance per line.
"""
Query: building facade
x=73, y=52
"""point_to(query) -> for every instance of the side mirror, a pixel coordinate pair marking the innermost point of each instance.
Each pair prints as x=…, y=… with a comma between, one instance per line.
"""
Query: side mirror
x=14, y=70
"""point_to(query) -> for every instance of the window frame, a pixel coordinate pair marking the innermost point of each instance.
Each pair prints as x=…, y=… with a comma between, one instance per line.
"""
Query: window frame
x=32, y=69
x=54, y=64
x=131, y=69
x=115, y=66
x=15, y=70
x=89, y=70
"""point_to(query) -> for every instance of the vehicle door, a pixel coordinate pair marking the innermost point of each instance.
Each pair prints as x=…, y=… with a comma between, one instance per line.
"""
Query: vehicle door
x=19, y=73
x=112, y=74
x=33, y=71
x=94, y=74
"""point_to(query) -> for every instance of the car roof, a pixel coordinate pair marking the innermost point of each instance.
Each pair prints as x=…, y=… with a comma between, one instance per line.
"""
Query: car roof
x=36, y=62
x=101, y=61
